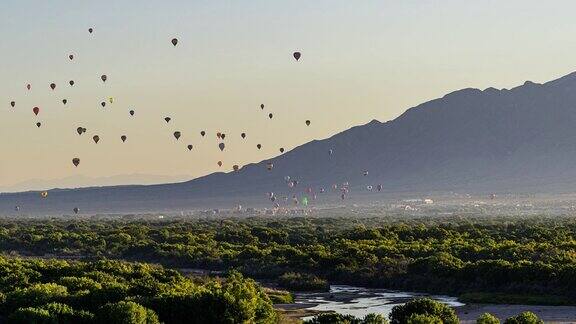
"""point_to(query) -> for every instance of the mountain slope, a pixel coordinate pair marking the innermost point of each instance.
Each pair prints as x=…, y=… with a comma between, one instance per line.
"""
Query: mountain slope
x=522, y=139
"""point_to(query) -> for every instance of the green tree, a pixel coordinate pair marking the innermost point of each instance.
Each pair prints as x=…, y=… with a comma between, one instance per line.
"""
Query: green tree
x=424, y=319
x=524, y=318
x=487, y=318
x=426, y=306
x=126, y=312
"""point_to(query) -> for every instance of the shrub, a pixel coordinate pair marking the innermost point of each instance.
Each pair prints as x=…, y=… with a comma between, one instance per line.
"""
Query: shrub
x=487, y=318
x=425, y=306
x=524, y=318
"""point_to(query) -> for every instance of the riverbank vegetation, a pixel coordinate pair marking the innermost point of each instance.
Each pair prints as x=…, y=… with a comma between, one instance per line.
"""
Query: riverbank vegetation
x=503, y=256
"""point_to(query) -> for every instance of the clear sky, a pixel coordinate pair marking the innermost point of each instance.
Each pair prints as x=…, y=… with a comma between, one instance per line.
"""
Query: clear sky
x=361, y=60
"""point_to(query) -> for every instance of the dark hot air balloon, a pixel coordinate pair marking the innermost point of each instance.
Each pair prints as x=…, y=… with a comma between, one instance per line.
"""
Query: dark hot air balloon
x=270, y=115
x=174, y=41
x=52, y=86
x=80, y=130
x=38, y=124
x=36, y=111
x=262, y=106
x=297, y=55
x=71, y=57
x=222, y=136
x=103, y=104
x=281, y=150
x=76, y=161
x=71, y=82
x=131, y=112
x=235, y=167
x=221, y=146
x=76, y=210
x=307, y=123
x=13, y=103
x=177, y=135
x=190, y=147
x=96, y=139
x=259, y=146
x=167, y=119
x=243, y=135
x=28, y=86
x=202, y=133
x=123, y=138
x=64, y=101
x=219, y=163
x=90, y=30
x=104, y=77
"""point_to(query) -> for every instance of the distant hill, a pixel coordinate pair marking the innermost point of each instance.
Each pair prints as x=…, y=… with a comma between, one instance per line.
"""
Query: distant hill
x=519, y=140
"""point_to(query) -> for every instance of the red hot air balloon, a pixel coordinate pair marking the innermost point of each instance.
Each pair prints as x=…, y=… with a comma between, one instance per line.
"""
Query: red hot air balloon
x=36, y=111
x=297, y=55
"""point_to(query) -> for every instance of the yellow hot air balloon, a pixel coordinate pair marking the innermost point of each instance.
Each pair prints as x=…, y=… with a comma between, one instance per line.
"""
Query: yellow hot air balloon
x=111, y=99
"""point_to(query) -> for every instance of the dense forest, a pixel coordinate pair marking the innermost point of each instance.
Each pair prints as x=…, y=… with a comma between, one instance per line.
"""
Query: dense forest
x=471, y=257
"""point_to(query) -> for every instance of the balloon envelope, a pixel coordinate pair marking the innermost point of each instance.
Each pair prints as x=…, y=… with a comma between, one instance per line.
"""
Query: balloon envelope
x=177, y=135
x=76, y=161
x=174, y=41
x=297, y=55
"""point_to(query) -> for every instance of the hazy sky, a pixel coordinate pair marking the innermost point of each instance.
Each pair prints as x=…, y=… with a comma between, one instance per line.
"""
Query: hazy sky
x=360, y=60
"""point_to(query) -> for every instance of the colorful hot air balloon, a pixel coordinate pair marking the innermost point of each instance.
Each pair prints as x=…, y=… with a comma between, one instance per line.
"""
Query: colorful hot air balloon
x=190, y=147
x=13, y=103
x=96, y=139
x=167, y=119
x=52, y=86
x=104, y=77
x=297, y=55
x=174, y=41
x=36, y=110
x=76, y=161
x=177, y=135
x=221, y=146
x=131, y=112
x=123, y=138
x=259, y=146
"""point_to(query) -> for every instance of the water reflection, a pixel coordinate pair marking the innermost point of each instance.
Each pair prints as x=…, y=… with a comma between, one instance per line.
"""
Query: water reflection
x=359, y=301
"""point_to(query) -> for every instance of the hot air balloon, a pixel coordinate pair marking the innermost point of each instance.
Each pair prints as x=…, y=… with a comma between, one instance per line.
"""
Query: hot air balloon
x=269, y=166
x=103, y=104
x=28, y=86
x=38, y=124
x=281, y=150
x=307, y=123
x=262, y=106
x=243, y=135
x=221, y=146
x=222, y=136
x=270, y=115
x=190, y=147
x=111, y=99
x=369, y=188
x=71, y=82
x=167, y=119
x=365, y=173
x=52, y=86
x=379, y=187
x=219, y=135
x=330, y=152
x=96, y=139
x=202, y=133
x=174, y=41
x=132, y=112
x=64, y=101
x=76, y=210
x=219, y=163
x=104, y=77
x=84, y=129
x=36, y=111
x=177, y=135
x=235, y=167
x=297, y=55
x=44, y=194
x=259, y=146
x=71, y=57
x=90, y=30
x=123, y=138
x=13, y=103
x=80, y=130
x=76, y=161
